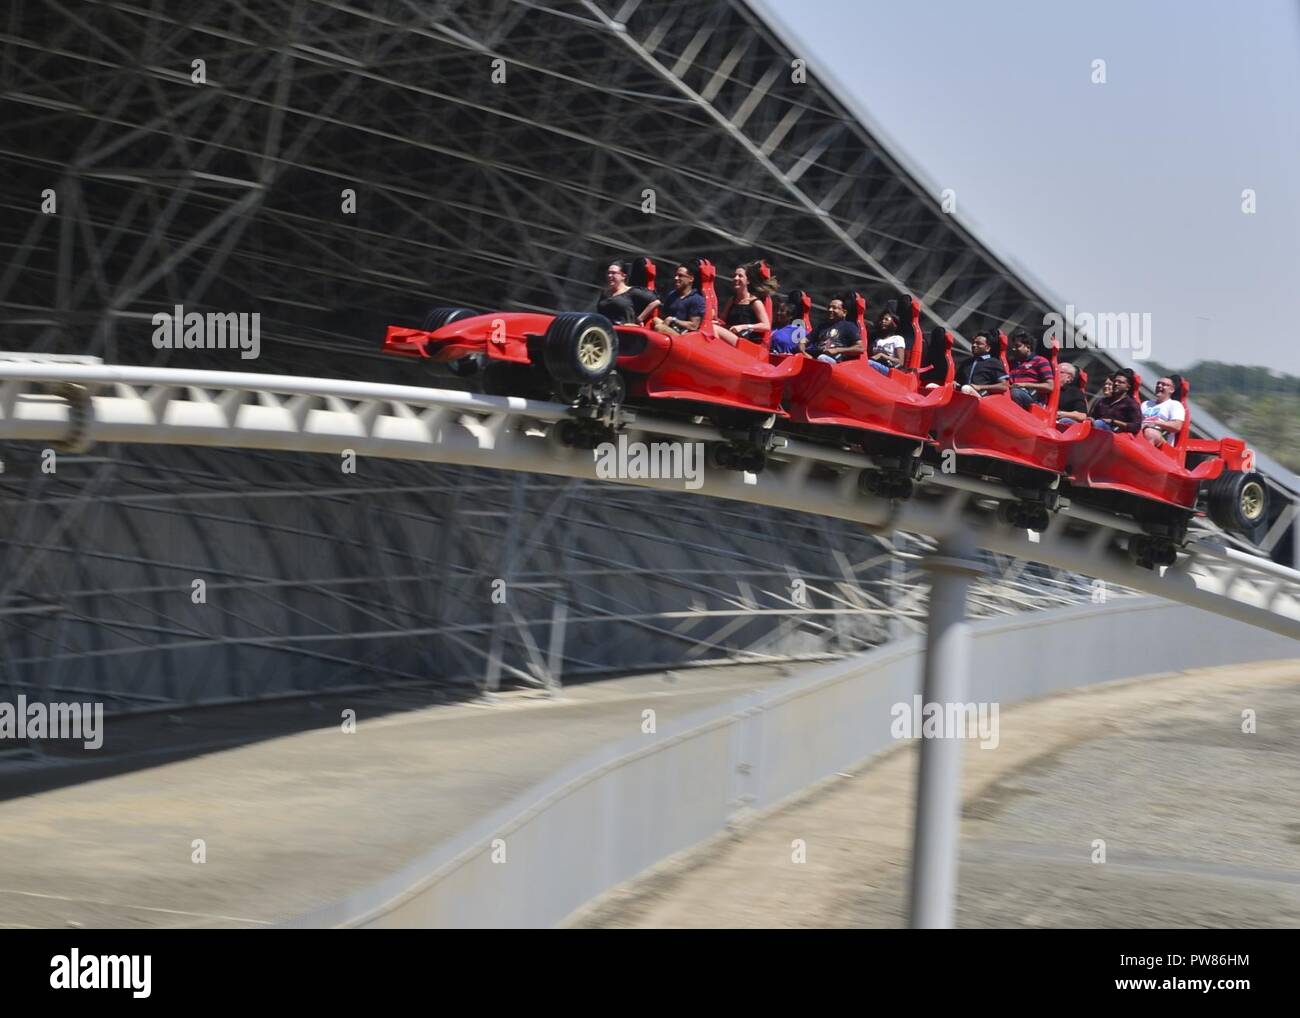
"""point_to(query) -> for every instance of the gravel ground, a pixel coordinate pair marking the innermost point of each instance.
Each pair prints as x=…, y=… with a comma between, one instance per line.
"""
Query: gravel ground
x=1201, y=823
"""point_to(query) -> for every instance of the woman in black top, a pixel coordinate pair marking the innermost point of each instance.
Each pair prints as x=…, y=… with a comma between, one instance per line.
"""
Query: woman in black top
x=623, y=304
x=745, y=316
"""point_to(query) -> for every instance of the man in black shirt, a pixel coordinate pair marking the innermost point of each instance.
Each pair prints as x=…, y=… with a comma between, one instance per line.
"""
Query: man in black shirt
x=836, y=337
x=1074, y=404
x=981, y=374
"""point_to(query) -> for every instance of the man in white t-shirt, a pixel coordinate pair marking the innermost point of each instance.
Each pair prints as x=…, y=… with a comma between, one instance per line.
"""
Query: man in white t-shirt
x=1162, y=417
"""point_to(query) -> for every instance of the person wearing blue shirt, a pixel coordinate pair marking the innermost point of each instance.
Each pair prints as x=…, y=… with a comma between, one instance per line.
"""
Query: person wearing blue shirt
x=789, y=335
x=683, y=308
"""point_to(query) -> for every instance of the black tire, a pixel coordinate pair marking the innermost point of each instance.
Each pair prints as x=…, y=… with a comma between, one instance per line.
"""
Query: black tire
x=720, y=456
x=439, y=317
x=568, y=433
x=1141, y=552
x=901, y=489
x=1151, y=552
x=580, y=347
x=1238, y=501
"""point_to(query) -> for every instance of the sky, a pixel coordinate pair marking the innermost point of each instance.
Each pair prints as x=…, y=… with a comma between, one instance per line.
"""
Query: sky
x=1124, y=196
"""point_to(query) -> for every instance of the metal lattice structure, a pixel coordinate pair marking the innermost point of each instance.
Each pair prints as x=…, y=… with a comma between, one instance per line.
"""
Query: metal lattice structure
x=315, y=580
x=497, y=152
x=369, y=421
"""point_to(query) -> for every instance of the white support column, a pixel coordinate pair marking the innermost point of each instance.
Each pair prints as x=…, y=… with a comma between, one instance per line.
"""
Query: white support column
x=945, y=673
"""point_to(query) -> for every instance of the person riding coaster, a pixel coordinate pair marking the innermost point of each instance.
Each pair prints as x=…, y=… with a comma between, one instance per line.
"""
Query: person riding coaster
x=887, y=416
x=994, y=434
x=598, y=368
x=674, y=362
x=1120, y=470
x=793, y=326
x=738, y=386
x=748, y=314
x=625, y=302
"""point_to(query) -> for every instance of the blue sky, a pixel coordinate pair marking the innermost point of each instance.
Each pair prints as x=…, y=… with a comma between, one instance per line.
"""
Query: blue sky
x=1116, y=197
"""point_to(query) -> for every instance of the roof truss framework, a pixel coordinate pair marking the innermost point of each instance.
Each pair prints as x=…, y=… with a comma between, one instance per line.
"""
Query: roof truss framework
x=227, y=196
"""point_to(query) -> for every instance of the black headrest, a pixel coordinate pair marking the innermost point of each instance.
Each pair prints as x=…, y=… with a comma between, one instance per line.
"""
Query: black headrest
x=901, y=308
x=935, y=362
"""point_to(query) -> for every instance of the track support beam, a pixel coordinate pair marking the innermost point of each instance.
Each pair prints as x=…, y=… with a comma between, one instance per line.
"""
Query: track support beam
x=945, y=679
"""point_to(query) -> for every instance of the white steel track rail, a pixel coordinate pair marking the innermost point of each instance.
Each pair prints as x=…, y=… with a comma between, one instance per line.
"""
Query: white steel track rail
x=76, y=405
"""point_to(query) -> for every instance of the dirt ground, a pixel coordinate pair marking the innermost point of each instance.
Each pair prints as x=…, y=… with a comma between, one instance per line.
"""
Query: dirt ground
x=1200, y=820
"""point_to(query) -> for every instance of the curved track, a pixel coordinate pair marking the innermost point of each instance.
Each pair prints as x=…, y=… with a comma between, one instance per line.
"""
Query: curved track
x=79, y=404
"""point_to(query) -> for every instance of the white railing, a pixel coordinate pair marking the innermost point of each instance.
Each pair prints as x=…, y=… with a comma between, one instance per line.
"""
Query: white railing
x=77, y=405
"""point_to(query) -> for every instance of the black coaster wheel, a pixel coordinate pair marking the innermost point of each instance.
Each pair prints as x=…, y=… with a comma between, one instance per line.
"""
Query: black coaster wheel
x=1151, y=552
x=580, y=347
x=721, y=456
x=1024, y=515
x=581, y=435
x=438, y=317
x=1238, y=501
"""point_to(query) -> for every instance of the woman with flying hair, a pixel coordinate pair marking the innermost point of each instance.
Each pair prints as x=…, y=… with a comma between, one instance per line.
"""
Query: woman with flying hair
x=745, y=315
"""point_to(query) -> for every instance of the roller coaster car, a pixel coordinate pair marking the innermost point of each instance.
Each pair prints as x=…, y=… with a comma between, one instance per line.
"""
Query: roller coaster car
x=994, y=436
x=888, y=416
x=597, y=367
x=1162, y=487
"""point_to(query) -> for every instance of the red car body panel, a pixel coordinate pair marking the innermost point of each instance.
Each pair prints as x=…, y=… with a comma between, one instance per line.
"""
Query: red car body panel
x=998, y=428
x=1133, y=465
x=695, y=366
x=703, y=368
x=1233, y=452
x=853, y=394
x=501, y=335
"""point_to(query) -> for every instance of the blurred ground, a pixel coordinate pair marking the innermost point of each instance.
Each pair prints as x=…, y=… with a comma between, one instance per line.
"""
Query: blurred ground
x=293, y=821
x=1201, y=823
